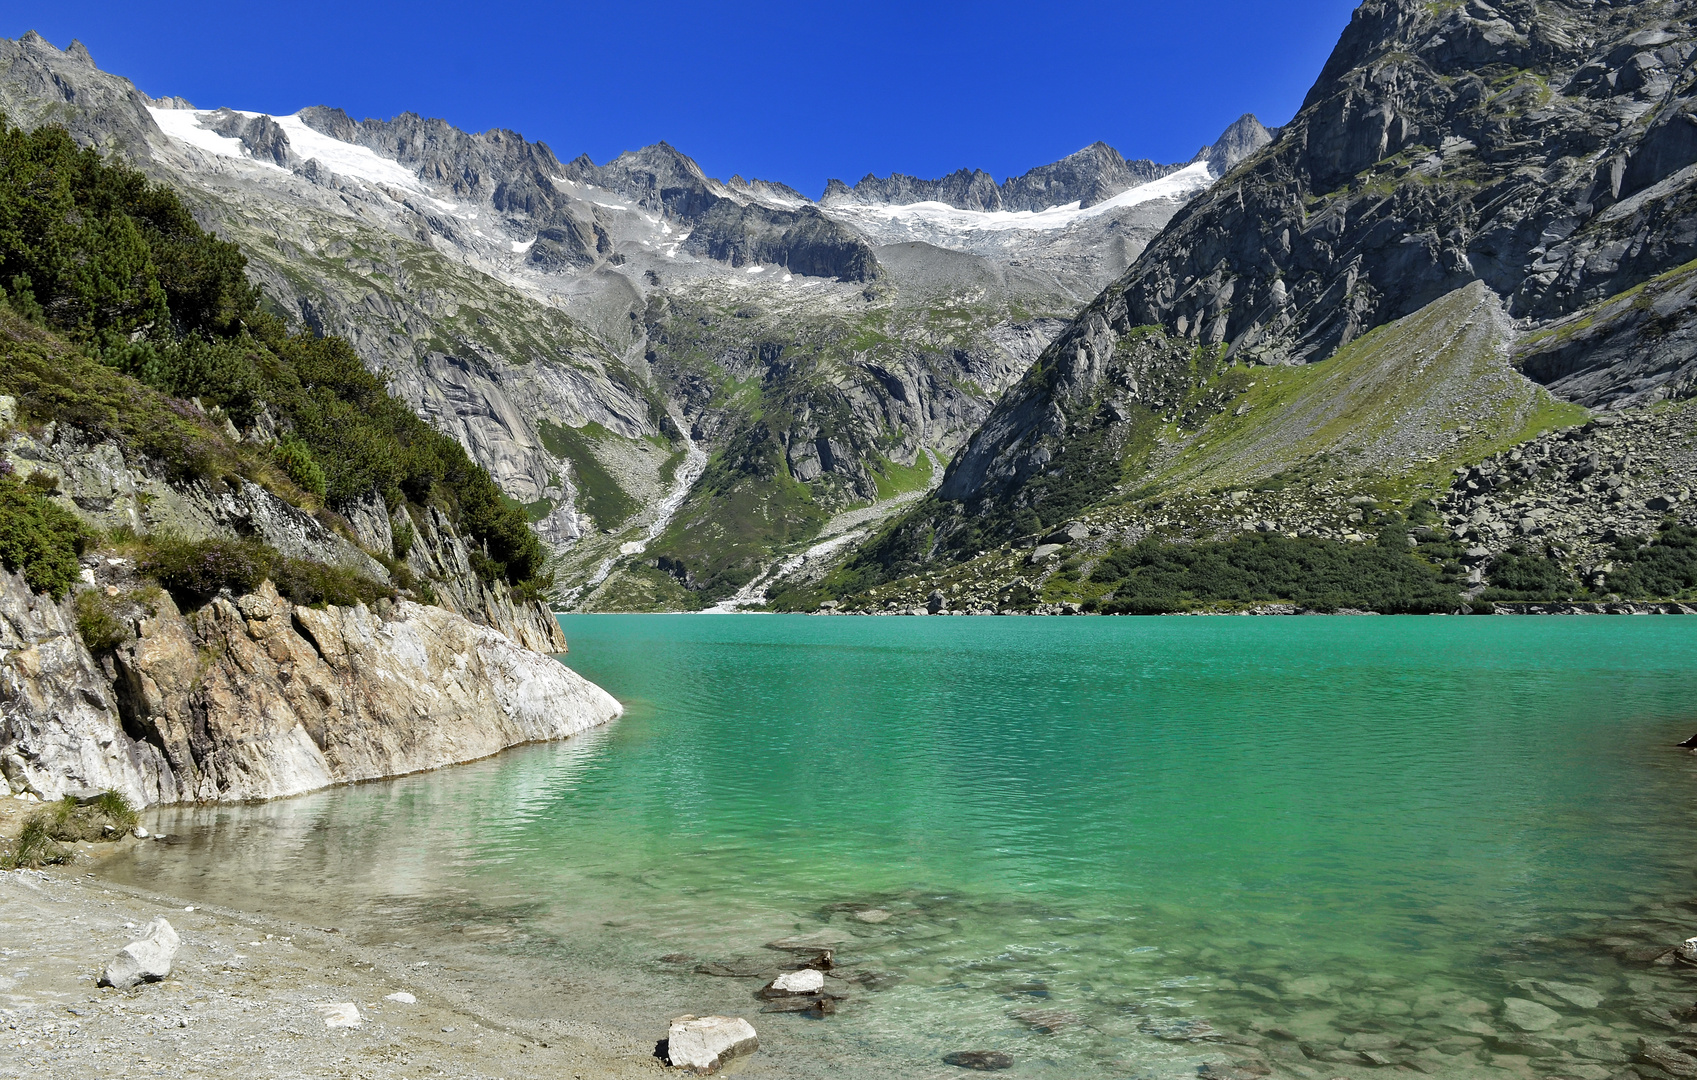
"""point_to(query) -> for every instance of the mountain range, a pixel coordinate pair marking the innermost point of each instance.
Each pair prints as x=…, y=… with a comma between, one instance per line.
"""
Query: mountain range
x=1478, y=227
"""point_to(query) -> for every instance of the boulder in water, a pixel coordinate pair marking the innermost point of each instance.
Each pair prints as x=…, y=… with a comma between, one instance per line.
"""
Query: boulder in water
x=702, y=1044
x=981, y=1060
x=792, y=983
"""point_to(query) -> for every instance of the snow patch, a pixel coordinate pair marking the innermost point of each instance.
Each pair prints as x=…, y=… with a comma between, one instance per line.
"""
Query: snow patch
x=183, y=125
x=936, y=216
x=521, y=248
x=346, y=159
x=755, y=270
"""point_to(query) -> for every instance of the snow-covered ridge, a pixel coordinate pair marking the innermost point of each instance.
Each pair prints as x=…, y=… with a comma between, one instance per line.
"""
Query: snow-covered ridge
x=943, y=218
x=183, y=125
x=345, y=159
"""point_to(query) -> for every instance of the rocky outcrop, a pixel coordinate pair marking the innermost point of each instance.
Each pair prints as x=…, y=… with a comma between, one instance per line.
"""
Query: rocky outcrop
x=253, y=697
x=256, y=698
x=107, y=489
x=439, y=555
x=59, y=725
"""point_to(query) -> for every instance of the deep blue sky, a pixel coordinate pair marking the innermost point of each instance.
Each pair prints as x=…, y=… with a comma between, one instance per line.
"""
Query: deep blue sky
x=789, y=92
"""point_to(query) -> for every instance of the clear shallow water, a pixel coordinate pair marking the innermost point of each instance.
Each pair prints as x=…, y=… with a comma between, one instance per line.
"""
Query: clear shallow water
x=1302, y=838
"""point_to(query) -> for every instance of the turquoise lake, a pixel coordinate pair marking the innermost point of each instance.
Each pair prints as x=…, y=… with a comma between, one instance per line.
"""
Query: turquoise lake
x=1106, y=847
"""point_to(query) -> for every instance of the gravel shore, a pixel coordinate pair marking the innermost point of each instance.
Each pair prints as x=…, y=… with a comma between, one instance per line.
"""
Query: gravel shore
x=241, y=998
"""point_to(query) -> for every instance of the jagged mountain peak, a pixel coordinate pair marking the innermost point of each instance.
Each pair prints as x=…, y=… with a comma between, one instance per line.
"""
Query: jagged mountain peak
x=1237, y=143
x=1087, y=177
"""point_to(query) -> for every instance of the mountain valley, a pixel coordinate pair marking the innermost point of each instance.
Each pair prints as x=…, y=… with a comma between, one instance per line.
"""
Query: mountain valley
x=704, y=392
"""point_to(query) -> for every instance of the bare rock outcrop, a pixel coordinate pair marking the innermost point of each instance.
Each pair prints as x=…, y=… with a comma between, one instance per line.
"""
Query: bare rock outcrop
x=256, y=698
x=59, y=727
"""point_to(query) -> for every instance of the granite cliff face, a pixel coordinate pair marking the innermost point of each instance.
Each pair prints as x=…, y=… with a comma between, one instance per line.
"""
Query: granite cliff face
x=258, y=699
x=251, y=696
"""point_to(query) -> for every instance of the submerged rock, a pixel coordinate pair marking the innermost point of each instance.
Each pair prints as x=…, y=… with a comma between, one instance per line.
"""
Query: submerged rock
x=815, y=1005
x=808, y=943
x=981, y=1060
x=1046, y=1021
x=1529, y=1015
x=702, y=1044
x=146, y=960
x=1580, y=996
x=1179, y=1029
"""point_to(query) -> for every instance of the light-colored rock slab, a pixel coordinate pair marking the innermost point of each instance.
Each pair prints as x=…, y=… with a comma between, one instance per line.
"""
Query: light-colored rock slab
x=144, y=960
x=702, y=1044
x=340, y=1014
x=805, y=981
x=401, y=998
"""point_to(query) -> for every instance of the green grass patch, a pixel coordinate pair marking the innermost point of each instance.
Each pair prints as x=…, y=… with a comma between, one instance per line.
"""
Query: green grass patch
x=894, y=479
x=606, y=501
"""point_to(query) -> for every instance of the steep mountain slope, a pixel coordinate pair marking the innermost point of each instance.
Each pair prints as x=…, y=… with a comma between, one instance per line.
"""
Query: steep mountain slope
x=1541, y=148
x=581, y=327
x=1527, y=168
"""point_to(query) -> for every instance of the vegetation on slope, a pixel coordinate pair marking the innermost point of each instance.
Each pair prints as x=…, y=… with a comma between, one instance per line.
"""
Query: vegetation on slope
x=37, y=536
x=115, y=264
x=1319, y=575
x=1170, y=431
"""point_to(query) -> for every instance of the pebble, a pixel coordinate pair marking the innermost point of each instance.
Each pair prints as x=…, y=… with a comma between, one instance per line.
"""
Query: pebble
x=402, y=998
x=341, y=1014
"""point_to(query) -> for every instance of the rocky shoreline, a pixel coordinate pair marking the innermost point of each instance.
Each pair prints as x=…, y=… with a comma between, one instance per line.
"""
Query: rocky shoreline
x=246, y=997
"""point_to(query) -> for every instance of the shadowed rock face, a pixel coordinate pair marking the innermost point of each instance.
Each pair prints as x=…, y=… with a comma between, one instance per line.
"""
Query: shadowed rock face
x=1540, y=148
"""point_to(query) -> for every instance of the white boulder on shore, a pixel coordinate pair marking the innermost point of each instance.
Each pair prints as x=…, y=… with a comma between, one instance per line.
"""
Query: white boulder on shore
x=702, y=1044
x=146, y=960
